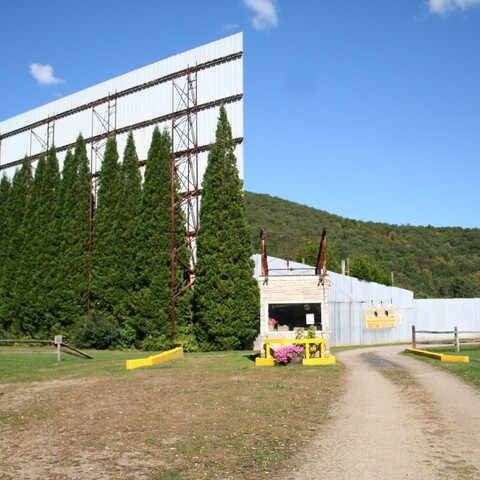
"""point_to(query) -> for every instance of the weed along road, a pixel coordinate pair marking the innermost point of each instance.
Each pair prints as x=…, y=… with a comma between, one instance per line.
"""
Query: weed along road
x=398, y=419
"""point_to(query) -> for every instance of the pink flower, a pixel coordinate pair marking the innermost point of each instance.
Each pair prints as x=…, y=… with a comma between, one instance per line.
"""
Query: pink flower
x=285, y=354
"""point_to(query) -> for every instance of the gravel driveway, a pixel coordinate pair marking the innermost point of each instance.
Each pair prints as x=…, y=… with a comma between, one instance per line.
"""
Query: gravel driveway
x=399, y=418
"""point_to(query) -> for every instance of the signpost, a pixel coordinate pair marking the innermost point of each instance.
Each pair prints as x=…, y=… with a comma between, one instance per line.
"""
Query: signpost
x=58, y=342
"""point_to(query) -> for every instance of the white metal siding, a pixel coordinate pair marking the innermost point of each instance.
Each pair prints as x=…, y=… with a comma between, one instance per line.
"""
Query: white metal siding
x=349, y=297
x=223, y=80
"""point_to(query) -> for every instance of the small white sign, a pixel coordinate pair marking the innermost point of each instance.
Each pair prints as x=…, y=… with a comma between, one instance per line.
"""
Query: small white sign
x=57, y=340
x=310, y=317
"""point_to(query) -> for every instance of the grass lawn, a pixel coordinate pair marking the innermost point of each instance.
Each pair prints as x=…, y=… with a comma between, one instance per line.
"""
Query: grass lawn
x=208, y=415
x=470, y=372
x=40, y=366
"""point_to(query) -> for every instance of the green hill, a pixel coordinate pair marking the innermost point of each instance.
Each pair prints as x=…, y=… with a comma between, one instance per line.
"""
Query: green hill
x=433, y=262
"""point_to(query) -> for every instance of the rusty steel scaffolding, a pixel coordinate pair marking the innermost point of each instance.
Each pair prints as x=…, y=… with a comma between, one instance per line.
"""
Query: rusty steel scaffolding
x=114, y=97
x=320, y=264
x=184, y=165
x=184, y=177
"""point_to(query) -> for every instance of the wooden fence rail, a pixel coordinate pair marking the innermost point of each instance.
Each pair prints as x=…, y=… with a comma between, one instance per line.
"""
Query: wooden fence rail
x=455, y=332
x=58, y=342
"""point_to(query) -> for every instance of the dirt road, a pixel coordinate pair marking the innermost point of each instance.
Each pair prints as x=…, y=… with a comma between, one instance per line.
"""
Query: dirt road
x=399, y=419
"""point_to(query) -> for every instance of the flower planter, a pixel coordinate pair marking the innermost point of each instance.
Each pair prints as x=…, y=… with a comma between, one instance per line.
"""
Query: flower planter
x=296, y=361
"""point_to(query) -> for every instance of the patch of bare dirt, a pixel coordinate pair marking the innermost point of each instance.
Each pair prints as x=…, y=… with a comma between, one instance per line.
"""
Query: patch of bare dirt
x=192, y=420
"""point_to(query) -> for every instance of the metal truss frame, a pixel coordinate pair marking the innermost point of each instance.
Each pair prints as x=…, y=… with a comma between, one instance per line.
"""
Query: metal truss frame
x=320, y=265
x=185, y=151
x=185, y=189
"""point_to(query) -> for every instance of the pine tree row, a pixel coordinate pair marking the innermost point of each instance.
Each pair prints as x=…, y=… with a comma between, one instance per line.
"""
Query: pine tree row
x=44, y=245
x=51, y=268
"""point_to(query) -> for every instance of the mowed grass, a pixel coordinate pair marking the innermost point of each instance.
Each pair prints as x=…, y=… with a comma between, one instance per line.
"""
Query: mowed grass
x=470, y=372
x=209, y=415
x=37, y=365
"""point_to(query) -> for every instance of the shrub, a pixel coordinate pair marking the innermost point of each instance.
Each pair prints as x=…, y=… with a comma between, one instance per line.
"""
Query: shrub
x=158, y=343
x=185, y=338
x=99, y=333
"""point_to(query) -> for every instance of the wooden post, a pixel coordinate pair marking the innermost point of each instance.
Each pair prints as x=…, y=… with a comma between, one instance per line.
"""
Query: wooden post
x=58, y=342
x=414, y=337
x=457, y=340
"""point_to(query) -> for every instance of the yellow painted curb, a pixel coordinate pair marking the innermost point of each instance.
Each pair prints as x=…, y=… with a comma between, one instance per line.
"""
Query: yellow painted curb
x=155, y=359
x=320, y=361
x=438, y=356
x=264, y=362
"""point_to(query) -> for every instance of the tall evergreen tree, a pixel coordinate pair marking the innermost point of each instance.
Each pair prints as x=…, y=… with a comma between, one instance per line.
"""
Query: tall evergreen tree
x=125, y=274
x=104, y=253
x=5, y=187
x=13, y=231
x=39, y=252
x=75, y=223
x=226, y=294
x=49, y=214
x=4, y=214
x=154, y=255
x=30, y=311
x=45, y=235
x=153, y=260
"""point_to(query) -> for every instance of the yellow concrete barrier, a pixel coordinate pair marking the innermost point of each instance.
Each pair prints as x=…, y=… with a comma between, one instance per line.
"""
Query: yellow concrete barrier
x=438, y=356
x=155, y=359
x=269, y=361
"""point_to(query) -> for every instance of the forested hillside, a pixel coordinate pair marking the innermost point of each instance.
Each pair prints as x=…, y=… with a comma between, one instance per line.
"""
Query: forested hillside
x=433, y=262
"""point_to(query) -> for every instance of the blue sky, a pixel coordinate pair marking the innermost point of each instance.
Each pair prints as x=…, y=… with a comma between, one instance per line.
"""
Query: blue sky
x=366, y=109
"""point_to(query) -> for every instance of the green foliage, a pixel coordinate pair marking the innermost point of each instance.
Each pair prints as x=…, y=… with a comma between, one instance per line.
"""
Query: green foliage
x=156, y=343
x=311, y=332
x=364, y=268
x=104, y=251
x=153, y=310
x=74, y=221
x=185, y=337
x=127, y=213
x=433, y=262
x=96, y=332
x=11, y=254
x=5, y=188
x=36, y=288
x=308, y=253
x=226, y=297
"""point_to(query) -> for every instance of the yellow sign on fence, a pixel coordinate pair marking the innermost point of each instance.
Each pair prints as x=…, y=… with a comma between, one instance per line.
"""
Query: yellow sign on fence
x=380, y=317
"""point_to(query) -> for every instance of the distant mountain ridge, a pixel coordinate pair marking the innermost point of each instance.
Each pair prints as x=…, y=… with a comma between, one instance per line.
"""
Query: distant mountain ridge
x=433, y=262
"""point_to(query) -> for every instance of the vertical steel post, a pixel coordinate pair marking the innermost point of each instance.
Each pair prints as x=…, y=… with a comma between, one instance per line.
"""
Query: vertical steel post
x=173, y=304
x=321, y=266
x=263, y=252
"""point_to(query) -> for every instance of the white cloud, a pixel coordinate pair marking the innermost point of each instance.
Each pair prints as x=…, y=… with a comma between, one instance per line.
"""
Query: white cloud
x=231, y=26
x=43, y=74
x=265, y=13
x=445, y=6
